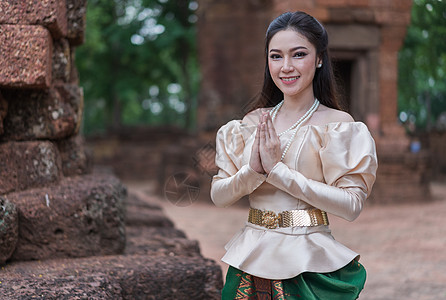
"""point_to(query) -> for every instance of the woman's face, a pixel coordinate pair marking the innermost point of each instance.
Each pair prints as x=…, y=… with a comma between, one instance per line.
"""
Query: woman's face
x=292, y=63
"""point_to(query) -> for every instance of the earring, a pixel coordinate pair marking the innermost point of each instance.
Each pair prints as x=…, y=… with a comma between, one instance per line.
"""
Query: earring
x=319, y=66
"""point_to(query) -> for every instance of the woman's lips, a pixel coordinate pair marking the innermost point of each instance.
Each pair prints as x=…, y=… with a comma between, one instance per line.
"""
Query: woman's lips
x=289, y=80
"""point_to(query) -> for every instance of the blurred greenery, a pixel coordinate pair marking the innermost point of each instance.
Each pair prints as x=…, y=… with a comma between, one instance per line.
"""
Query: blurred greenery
x=139, y=64
x=422, y=68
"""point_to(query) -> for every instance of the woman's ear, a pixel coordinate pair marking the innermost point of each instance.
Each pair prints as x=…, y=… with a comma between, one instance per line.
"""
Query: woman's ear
x=319, y=63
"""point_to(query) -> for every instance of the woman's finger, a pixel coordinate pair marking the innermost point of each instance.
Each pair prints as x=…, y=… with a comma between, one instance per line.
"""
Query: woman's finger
x=271, y=129
x=265, y=121
x=257, y=140
x=262, y=132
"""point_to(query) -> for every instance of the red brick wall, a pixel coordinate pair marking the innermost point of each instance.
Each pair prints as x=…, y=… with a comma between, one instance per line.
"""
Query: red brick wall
x=40, y=100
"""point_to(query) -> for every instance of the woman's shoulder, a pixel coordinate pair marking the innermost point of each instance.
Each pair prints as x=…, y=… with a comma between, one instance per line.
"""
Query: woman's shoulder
x=329, y=121
x=327, y=115
x=237, y=127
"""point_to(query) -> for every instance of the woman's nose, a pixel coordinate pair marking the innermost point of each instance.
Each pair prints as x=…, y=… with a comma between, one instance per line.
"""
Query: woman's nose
x=287, y=65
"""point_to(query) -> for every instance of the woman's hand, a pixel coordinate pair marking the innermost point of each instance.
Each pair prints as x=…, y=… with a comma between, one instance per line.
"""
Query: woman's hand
x=269, y=146
x=255, y=162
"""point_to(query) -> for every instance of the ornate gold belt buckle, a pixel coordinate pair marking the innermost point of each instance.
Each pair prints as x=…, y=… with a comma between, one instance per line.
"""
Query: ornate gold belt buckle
x=270, y=219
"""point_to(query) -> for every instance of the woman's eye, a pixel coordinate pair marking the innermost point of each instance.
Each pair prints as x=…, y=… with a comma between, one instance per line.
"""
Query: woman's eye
x=300, y=54
x=274, y=56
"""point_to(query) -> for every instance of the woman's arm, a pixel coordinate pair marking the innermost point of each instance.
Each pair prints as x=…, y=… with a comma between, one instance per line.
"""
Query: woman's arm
x=345, y=202
x=226, y=190
x=349, y=164
x=233, y=182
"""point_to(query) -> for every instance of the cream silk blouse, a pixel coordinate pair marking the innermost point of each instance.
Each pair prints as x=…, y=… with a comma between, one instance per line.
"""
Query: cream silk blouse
x=331, y=167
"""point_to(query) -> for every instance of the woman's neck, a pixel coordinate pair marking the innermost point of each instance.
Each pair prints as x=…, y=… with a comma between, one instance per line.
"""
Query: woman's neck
x=297, y=105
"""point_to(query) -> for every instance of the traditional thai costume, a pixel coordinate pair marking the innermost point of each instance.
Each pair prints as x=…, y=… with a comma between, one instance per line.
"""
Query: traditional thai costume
x=286, y=250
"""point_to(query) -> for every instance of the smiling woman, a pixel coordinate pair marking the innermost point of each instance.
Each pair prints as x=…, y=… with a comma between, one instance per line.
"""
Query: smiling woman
x=292, y=63
x=298, y=157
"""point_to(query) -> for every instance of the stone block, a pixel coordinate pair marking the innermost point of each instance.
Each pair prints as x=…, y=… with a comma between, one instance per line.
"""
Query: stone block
x=3, y=112
x=389, y=17
x=363, y=15
x=76, y=12
x=359, y=3
x=74, y=74
x=282, y=6
x=8, y=229
x=49, y=13
x=61, y=60
x=402, y=177
x=332, y=3
x=28, y=164
x=25, y=56
x=150, y=232
x=141, y=213
x=43, y=114
x=114, y=277
x=402, y=5
x=76, y=160
x=74, y=95
x=166, y=241
x=81, y=216
x=341, y=15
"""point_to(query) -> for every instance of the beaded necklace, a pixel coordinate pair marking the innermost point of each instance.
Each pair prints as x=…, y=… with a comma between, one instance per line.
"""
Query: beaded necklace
x=295, y=127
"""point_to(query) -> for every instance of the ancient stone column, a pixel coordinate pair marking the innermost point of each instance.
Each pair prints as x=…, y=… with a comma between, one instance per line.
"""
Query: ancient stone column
x=63, y=209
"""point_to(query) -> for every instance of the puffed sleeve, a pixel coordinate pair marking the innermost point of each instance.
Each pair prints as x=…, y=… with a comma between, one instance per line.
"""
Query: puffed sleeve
x=349, y=164
x=233, y=180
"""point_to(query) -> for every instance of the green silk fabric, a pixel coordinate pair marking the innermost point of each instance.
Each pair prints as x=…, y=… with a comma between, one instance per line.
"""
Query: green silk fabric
x=343, y=284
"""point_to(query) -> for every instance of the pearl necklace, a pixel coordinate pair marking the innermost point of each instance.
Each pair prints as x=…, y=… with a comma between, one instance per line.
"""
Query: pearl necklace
x=295, y=127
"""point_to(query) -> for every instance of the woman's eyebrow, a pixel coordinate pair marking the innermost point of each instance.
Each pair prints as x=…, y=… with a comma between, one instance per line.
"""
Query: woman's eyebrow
x=292, y=49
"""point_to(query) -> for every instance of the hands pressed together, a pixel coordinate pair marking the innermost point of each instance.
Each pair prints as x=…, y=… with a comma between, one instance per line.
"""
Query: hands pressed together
x=266, y=150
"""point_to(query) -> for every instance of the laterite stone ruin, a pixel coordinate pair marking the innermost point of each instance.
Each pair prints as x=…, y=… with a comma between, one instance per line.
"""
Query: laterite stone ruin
x=67, y=230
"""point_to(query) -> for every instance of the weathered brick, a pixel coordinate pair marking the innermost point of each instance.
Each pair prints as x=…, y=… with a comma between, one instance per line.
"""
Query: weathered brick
x=25, y=56
x=288, y=5
x=332, y=3
x=363, y=15
x=76, y=160
x=393, y=37
x=74, y=75
x=389, y=17
x=115, y=277
x=28, y=164
x=341, y=15
x=358, y=3
x=3, y=112
x=80, y=216
x=42, y=114
x=61, y=60
x=9, y=229
x=76, y=21
x=49, y=13
x=388, y=103
x=402, y=5
x=74, y=95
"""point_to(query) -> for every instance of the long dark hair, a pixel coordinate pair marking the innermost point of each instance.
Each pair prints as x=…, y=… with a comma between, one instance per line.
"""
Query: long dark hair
x=324, y=85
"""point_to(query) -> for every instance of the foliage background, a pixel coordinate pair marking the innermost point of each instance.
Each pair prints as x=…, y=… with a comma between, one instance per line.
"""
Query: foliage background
x=139, y=65
x=422, y=69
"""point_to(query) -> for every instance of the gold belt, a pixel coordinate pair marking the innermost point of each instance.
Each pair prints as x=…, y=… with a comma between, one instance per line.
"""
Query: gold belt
x=288, y=218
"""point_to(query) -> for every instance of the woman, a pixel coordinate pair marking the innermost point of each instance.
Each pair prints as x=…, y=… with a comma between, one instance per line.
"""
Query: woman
x=298, y=157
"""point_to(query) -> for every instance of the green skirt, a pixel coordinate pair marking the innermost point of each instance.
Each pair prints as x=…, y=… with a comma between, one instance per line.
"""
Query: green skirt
x=343, y=284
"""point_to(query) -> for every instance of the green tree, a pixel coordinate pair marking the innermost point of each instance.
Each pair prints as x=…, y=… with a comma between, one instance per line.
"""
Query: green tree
x=139, y=64
x=422, y=65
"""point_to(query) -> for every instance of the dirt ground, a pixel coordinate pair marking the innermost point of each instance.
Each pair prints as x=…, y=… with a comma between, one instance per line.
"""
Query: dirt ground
x=401, y=246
